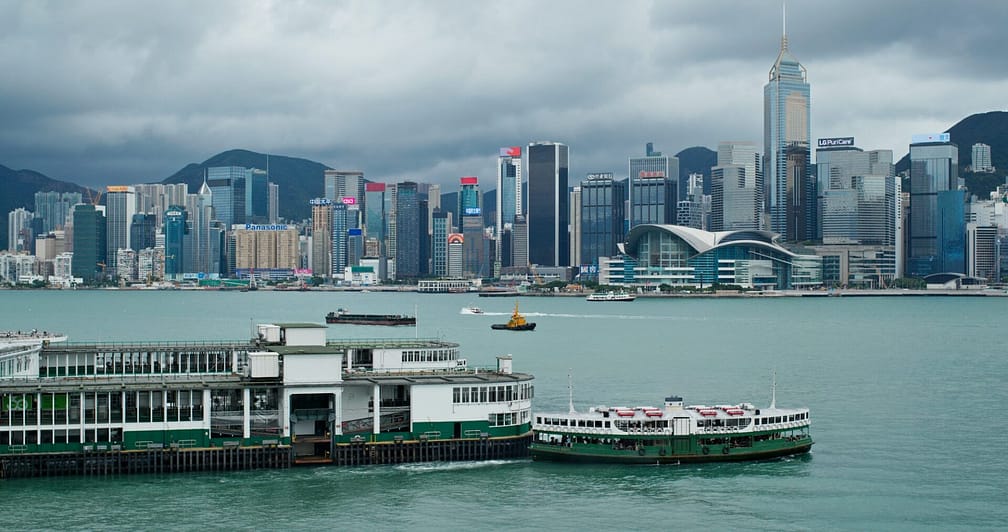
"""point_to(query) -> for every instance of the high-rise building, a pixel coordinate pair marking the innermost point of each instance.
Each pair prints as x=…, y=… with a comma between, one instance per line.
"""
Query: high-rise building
x=982, y=158
x=455, y=264
x=90, y=244
x=736, y=188
x=790, y=189
x=375, y=217
x=654, y=188
x=858, y=193
x=433, y=202
x=176, y=229
x=256, y=196
x=575, y=226
x=603, y=201
x=407, y=214
x=692, y=210
x=261, y=248
x=120, y=206
x=19, y=231
x=143, y=230
x=935, y=205
x=982, y=252
x=227, y=184
x=548, y=211
x=274, y=203
x=340, y=184
x=509, y=185
x=469, y=201
x=440, y=227
x=322, y=228
x=339, y=238
x=54, y=208
x=519, y=242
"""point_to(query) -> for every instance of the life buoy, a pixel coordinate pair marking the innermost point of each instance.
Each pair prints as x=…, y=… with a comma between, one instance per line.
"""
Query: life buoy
x=661, y=451
x=724, y=450
x=641, y=451
x=706, y=450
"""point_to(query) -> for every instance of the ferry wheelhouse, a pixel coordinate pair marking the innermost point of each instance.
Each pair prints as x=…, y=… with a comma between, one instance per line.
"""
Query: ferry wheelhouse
x=673, y=434
x=289, y=396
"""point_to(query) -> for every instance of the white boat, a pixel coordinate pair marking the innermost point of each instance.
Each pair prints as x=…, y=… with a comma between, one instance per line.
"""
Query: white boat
x=472, y=310
x=611, y=296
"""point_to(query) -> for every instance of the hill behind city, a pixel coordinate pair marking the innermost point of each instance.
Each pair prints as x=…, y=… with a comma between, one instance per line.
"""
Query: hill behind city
x=19, y=188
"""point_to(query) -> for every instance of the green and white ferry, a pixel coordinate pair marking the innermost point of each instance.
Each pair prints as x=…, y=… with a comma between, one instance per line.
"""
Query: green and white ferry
x=288, y=396
x=673, y=434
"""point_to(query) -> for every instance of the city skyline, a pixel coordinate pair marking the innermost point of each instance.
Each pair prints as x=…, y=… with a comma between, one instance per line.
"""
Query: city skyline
x=130, y=93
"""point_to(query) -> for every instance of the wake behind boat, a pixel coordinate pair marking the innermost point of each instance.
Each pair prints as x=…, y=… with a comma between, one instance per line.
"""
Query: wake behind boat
x=472, y=310
x=343, y=316
x=670, y=435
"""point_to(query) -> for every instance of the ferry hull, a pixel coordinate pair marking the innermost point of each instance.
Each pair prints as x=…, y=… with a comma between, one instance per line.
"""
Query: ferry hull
x=653, y=455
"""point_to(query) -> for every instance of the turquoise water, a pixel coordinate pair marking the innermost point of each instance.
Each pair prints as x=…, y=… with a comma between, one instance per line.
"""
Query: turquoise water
x=905, y=393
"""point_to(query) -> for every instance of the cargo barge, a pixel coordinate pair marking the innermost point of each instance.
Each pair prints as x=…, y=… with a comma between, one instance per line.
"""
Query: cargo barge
x=343, y=316
x=287, y=397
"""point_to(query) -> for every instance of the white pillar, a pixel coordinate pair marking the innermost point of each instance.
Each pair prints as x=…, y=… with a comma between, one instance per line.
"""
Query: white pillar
x=377, y=409
x=246, y=415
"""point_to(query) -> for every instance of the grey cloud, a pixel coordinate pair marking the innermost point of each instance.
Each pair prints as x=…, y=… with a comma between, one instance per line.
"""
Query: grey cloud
x=115, y=92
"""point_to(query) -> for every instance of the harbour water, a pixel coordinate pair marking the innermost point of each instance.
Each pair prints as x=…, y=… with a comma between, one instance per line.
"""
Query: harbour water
x=906, y=395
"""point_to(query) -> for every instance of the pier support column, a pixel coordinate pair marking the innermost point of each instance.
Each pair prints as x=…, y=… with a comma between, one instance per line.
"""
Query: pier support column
x=246, y=415
x=377, y=409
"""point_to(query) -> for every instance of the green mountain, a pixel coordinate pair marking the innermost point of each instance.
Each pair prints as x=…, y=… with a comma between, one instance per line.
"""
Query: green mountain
x=989, y=128
x=19, y=188
x=299, y=180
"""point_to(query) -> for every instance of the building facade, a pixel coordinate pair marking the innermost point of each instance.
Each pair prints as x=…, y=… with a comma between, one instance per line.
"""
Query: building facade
x=934, y=183
x=548, y=209
x=654, y=188
x=90, y=243
x=603, y=209
x=407, y=253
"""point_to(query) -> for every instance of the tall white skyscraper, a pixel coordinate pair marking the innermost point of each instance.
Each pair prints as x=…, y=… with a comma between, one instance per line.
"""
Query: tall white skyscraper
x=19, y=231
x=736, y=187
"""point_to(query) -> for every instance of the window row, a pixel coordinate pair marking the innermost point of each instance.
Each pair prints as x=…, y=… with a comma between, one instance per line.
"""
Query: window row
x=767, y=420
x=430, y=355
x=492, y=394
x=105, y=407
x=509, y=418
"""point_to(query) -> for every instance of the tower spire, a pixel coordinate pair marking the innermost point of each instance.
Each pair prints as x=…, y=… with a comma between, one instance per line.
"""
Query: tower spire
x=783, y=41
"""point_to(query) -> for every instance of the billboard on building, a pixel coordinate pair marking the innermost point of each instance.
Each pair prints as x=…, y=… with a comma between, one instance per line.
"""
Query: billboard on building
x=833, y=142
x=930, y=137
x=469, y=180
x=374, y=187
x=512, y=151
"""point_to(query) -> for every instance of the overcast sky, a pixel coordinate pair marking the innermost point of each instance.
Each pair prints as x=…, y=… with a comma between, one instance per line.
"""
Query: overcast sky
x=110, y=92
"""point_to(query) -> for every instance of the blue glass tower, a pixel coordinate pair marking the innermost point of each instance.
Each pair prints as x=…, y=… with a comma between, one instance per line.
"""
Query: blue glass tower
x=407, y=254
x=175, y=229
x=787, y=130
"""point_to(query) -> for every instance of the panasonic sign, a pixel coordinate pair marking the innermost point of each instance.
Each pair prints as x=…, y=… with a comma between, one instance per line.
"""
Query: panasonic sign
x=836, y=142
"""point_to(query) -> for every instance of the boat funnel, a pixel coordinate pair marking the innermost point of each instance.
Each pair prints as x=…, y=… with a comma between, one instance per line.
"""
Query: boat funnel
x=504, y=364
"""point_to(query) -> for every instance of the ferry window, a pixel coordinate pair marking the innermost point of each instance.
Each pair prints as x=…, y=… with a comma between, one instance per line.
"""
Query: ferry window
x=483, y=394
x=606, y=424
x=538, y=420
x=757, y=421
x=474, y=395
x=455, y=395
x=493, y=394
x=563, y=422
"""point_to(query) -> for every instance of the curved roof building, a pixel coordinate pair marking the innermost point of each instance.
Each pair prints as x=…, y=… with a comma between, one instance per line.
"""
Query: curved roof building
x=676, y=255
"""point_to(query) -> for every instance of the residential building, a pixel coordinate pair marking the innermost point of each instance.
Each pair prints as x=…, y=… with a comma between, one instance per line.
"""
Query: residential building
x=982, y=158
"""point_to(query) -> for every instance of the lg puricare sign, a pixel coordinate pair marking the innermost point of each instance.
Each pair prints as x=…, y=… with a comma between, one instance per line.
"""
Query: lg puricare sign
x=834, y=142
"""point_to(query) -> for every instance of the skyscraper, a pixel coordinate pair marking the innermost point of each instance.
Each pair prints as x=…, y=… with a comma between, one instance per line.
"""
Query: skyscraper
x=256, y=196
x=176, y=227
x=341, y=184
x=935, y=205
x=120, y=205
x=19, y=232
x=575, y=226
x=407, y=253
x=227, y=184
x=787, y=130
x=603, y=204
x=509, y=183
x=143, y=229
x=440, y=227
x=736, y=188
x=322, y=228
x=654, y=188
x=89, y=242
x=274, y=203
x=548, y=236
x=339, y=238
x=54, y=208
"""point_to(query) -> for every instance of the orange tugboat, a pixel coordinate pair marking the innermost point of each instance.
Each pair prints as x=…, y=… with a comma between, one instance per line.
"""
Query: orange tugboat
x=516, y=323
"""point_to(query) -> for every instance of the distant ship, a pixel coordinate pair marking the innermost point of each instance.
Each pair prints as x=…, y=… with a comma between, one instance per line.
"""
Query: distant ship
x=516, y=323
x=611, y=296
x=342, y=316
x=670, y=435
x=472, y=310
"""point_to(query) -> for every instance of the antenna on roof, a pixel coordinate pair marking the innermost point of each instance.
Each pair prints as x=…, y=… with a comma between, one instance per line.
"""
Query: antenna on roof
x=570, y=391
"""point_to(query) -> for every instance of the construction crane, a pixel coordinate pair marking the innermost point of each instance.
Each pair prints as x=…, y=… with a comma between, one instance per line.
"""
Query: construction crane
x=94, y=199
